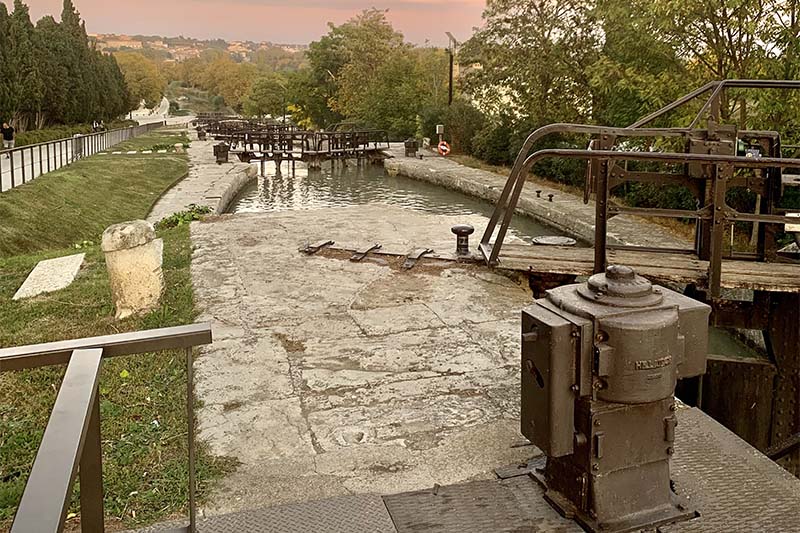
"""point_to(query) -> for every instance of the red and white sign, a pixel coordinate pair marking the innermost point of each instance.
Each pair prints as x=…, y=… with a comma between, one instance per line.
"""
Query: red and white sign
x=444, y=148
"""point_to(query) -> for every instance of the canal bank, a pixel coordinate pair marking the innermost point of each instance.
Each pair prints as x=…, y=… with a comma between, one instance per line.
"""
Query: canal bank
x=330, y=378
x=566, y=212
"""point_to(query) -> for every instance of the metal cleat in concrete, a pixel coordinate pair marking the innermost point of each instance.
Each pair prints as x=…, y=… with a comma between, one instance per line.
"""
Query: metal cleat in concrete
x=50, y=276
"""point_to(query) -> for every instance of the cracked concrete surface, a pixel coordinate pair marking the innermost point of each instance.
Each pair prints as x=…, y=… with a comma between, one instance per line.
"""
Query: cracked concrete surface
x=328, y=377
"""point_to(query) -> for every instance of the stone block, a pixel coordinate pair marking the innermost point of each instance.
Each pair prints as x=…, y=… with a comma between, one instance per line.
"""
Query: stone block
x=180, y=149
x=50, y=276
x=134, y=260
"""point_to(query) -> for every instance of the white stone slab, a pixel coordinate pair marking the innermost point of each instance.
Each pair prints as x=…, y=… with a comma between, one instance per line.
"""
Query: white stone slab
x=162, y=151
x=147, y=152
x=116, y=153
x=133, y=152
x=51, y=275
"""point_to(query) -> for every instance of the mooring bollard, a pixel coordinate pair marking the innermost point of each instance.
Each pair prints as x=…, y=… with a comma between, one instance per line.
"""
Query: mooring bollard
x=462, y=232
x=538, y=194
x=221, y=153
x=179, y=148
x=134, y=262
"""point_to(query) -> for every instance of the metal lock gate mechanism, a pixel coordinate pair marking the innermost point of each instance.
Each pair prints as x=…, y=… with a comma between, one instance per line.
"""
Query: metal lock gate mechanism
x=600, y=362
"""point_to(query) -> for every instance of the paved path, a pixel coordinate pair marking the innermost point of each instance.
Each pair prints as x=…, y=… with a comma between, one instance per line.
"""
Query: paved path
x=566, y=212
x=207, y=184
x=329, y=378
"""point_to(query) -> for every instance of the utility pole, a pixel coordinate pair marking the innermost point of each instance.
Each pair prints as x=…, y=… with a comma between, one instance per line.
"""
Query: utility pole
x=452, y=53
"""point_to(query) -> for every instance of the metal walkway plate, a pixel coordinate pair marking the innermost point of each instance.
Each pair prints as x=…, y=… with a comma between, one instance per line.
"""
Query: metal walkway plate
x=514, y=505
x=348, y=514
x=352, y=514
x=735, y=488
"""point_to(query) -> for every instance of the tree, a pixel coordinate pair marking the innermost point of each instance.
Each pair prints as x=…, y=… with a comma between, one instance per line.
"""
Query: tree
x=533, y=58
x=49, y=74
x=637, y=70
x=267, y=96
x=142, y=78
x=27, y=86
x=362, y=71
x=6, y=107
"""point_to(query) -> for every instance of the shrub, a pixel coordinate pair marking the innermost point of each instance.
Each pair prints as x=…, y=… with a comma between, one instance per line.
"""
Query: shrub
x=492, y=142
x=462, y=121
x=192, y=213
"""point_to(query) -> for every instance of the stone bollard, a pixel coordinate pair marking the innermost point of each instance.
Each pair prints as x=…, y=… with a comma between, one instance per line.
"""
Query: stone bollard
x=179, y=149
x=133, y=259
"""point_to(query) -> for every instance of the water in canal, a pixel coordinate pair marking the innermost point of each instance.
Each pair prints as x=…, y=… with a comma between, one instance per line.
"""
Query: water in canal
x=369, y=184
x=362, y=185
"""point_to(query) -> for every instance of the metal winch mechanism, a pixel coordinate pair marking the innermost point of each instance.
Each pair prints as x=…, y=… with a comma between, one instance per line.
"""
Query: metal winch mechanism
x=600, y=362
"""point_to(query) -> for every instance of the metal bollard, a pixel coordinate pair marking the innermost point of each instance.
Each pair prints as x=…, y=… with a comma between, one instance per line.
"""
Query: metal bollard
x=550, y=197
x=221, y=153
x=462, y=232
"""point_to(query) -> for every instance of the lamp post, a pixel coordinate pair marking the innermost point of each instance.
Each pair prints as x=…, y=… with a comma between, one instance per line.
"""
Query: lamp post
x=452, y=53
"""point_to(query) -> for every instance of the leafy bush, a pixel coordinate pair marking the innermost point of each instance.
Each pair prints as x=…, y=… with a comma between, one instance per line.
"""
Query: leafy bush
x=492, y=143
x=64, y=132
x=192, y=213
x=462, y=121
x=51, y=134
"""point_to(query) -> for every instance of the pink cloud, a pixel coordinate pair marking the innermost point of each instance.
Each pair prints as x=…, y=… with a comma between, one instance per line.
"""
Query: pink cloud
x=282, y=21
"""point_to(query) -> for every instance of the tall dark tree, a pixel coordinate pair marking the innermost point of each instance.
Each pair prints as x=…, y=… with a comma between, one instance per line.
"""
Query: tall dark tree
x=50, y=73
x=6, y=107
x=27, y=86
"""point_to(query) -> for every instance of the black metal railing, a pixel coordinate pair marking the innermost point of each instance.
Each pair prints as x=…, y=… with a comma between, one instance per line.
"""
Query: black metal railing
x=71, y=446
x=20, y=165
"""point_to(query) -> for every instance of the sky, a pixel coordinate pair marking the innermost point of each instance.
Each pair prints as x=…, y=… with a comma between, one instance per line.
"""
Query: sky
x=279, y=21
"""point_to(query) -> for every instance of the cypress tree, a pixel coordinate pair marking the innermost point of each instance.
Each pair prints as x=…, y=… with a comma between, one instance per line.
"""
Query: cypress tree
x=27, y=88
x=6, y=108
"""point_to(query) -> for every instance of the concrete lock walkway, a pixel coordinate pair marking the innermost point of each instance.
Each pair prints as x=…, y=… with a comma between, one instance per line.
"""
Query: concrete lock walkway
x=207, y=184
x=330, y=378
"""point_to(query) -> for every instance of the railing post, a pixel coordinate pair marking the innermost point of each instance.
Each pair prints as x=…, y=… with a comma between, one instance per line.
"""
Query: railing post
x=91, y=475
x=190, y=422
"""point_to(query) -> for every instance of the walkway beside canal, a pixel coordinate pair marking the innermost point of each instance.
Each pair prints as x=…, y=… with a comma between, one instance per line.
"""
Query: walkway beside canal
x=566, y=212
x=207, y=184
x=328, y=377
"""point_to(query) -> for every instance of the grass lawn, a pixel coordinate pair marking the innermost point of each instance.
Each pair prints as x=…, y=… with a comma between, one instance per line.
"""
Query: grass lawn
x=142, y=397
x=77, y=203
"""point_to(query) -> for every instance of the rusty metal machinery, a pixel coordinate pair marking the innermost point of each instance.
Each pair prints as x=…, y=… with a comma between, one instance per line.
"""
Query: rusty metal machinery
x=600, y=362
x=713, y=161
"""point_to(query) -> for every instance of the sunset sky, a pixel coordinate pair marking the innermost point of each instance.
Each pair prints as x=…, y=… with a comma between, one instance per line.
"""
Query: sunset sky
x=281, y=21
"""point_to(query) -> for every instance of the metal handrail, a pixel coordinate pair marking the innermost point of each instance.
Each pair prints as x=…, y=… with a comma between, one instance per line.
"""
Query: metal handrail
x=725, y=214
x=718, y=88
x=71, y=441
x=59, y=153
